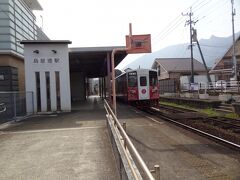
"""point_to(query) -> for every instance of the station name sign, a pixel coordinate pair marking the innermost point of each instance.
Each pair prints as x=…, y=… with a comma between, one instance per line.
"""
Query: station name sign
x=46, y=60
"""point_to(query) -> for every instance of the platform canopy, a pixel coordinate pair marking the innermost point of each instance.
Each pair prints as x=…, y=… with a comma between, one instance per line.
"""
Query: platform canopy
x=33, y=4
x=92, y=61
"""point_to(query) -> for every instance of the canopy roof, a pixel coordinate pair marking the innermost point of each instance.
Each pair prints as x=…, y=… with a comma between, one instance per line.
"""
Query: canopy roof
x=33, y=4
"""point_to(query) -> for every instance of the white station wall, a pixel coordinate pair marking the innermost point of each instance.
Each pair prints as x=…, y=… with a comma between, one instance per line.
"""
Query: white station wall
x=47, y=61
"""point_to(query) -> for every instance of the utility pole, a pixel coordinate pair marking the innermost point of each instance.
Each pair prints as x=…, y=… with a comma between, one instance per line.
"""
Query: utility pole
x=189, y=22
x=233, y=35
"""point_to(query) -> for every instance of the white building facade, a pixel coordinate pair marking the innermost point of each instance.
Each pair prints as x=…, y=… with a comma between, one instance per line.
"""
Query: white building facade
x=47, y=76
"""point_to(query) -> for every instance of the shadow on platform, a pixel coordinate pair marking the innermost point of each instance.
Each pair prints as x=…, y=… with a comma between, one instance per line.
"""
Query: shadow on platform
x=84, y=114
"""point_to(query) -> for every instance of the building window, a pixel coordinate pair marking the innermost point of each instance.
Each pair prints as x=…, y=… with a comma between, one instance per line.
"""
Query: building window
x=38, y=91
x=159, y=70
x=58, y=97
x=48, y=92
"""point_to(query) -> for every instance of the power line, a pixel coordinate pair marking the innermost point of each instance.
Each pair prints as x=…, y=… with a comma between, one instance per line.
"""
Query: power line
x=214, y=46
x=169, y=30
x=168, y=27
x=197, y=6
x=172, y=24
x=195, y=10
x=212, y=9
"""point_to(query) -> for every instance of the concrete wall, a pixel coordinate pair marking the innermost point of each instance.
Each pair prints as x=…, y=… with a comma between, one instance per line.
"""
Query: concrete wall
x=48, y=61
x=174, y=75
x=77, y=86
x=17, y=62
x=163, y=75
x=8, y=78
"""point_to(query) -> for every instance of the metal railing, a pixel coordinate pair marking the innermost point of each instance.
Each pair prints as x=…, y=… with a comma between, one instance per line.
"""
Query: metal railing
x=129, y=148
x=218, y=86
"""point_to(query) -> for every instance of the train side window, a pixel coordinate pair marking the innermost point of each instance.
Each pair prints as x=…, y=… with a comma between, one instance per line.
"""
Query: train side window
x=143, y=81
x=153, y=78
x=132, y=79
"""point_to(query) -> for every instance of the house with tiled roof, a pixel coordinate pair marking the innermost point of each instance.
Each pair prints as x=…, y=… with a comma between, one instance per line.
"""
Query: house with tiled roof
x=174, y=68
x=223, y=69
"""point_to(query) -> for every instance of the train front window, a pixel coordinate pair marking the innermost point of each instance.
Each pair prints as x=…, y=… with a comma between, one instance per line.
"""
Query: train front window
x=153, y=78
x=132, y=79
x=143, y=81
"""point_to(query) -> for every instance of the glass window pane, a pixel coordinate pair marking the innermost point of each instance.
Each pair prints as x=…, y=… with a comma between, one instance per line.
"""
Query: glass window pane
x=47, y=76
x=38, y=91
x=132, y=79
x=143, y=81
x=57, y=77
x=153, y=78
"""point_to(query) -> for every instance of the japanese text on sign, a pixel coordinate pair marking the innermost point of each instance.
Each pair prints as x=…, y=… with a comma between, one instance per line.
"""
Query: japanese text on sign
x=46, y=60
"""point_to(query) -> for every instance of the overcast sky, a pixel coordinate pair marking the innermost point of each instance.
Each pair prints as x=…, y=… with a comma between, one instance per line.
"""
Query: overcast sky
x=105, y=22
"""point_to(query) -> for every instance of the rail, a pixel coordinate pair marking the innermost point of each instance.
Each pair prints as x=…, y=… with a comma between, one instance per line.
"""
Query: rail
x=3, y=107
x=129, y=147
x=216, y=138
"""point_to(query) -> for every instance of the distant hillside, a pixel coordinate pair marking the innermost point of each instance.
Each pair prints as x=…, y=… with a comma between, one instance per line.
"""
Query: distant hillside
x=213, y=49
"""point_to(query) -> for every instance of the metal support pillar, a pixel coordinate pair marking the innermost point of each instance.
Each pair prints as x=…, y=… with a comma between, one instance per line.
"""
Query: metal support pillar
x=109, y=77
x=125, y=129
x=234, y=48
x=104, y=79
x=102, y=89
x=113, y=78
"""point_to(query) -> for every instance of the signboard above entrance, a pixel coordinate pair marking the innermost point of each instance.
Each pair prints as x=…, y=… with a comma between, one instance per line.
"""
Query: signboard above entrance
x=138, y=44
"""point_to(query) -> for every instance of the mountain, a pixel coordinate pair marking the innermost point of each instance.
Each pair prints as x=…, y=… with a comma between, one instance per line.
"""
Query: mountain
x=213, y=49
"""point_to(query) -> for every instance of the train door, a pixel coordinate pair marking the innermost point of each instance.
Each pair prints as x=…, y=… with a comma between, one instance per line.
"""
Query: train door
x=143, y=86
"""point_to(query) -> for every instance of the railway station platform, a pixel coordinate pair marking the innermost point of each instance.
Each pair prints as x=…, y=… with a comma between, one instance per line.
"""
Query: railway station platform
x=72, y=145
x=181, y=154
x=76, y=145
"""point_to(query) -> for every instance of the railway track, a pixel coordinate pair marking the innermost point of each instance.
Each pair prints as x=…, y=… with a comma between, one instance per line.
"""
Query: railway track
x=225, y=123
x=219, y=129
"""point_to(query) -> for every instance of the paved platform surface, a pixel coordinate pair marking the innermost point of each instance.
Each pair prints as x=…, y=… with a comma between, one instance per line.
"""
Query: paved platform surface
x=68, y=146
x=181, y=154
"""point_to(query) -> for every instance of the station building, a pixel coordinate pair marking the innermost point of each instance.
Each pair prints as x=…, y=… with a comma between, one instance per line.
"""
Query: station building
x=56, y=76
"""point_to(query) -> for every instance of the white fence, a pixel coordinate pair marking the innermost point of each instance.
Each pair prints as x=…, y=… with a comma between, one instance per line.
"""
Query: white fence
x=218, y=86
